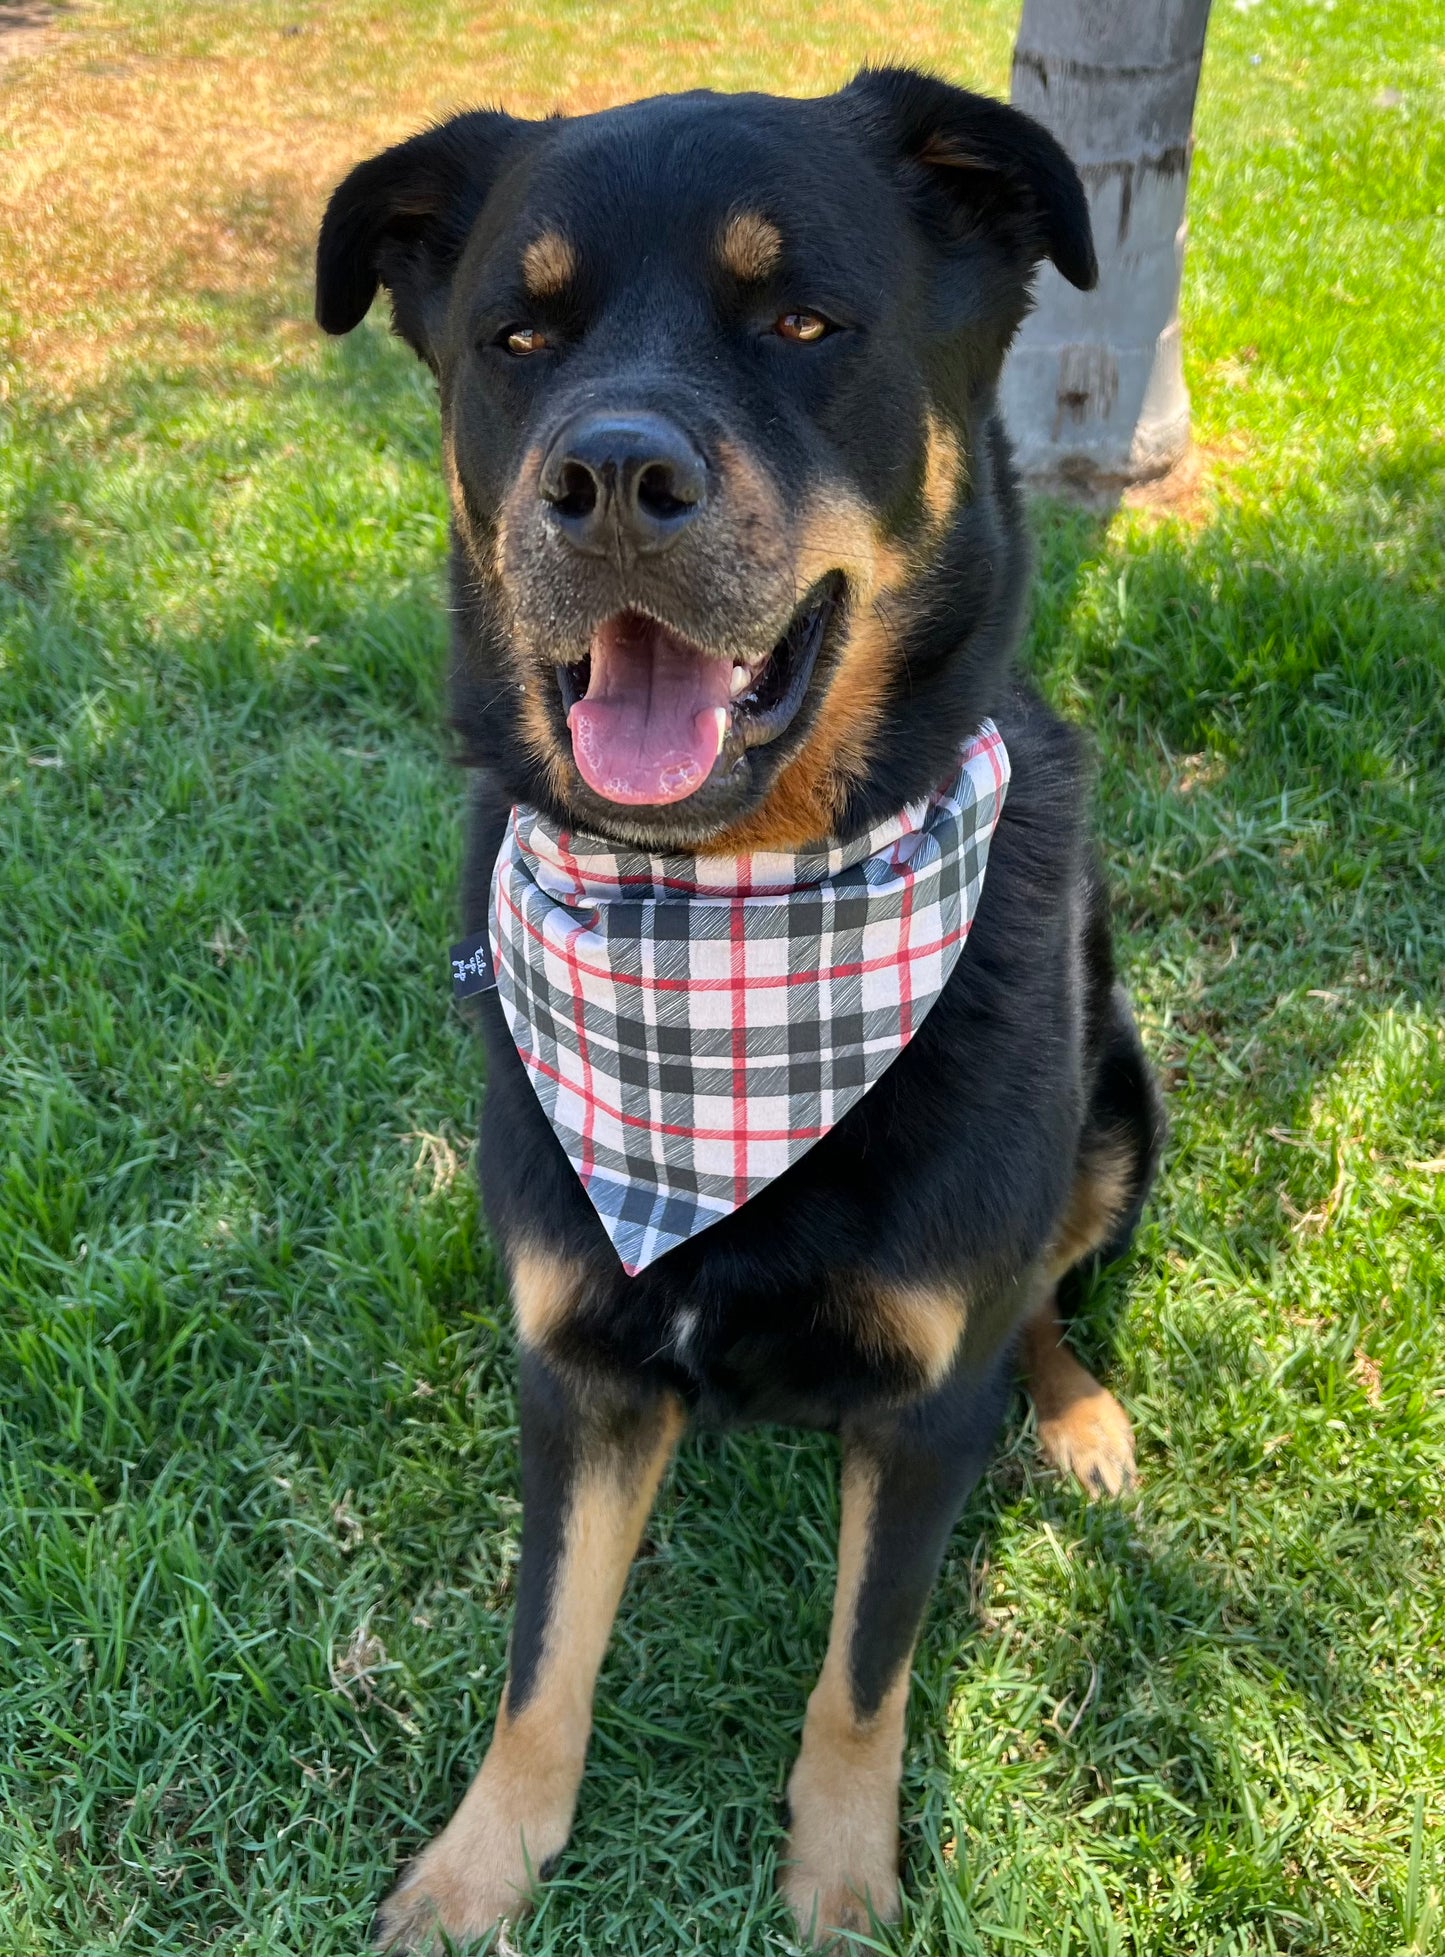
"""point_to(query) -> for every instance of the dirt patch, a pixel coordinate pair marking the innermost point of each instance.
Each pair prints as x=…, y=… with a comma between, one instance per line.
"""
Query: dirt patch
x=24, y=27
x=1190, y=491
x=1186, y=493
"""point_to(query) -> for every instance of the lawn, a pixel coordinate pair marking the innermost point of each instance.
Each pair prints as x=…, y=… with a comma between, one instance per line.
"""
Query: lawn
x=257, y=1425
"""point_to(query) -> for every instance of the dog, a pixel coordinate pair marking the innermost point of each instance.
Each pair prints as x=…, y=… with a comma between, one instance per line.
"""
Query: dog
x=738, y=568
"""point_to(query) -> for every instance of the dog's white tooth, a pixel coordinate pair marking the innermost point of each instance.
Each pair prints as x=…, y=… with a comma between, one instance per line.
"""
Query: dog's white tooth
x=742, y=679
x=723, y=717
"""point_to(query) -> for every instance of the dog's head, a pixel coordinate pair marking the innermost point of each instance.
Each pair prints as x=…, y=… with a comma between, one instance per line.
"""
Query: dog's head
x=735, y=543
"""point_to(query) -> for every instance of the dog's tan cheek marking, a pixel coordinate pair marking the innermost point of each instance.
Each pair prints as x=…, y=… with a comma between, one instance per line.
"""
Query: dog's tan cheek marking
x=545, y=1292
x=517, y=506
x=837, y=532
x=457, y=498
x=754, y=498
x=517, y=1813
x=749, y=246
x=537, y=732
x=807, y=798
x=490, y=562
x=549, y=264
x=918, y=1324
x=843, y=1790
x=535, y=677
x=943, y=471
x=452, y=473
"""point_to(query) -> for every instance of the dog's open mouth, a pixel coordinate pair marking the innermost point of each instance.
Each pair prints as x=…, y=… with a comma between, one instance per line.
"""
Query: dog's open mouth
x=649, y=712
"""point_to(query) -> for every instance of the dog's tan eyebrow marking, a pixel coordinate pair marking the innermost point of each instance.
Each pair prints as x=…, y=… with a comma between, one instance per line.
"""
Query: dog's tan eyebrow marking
x=548, y=264
x=749, y=246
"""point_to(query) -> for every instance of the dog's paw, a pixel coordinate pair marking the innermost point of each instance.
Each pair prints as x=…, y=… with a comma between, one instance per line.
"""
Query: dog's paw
x=481, y=1871
x=1091, y=1439
x=841, y=1870
x=444, y=1905
x=484, y=1866
x=829, y=1904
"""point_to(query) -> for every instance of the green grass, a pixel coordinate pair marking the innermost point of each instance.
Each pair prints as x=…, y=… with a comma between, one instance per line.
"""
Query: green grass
x=255, y=1368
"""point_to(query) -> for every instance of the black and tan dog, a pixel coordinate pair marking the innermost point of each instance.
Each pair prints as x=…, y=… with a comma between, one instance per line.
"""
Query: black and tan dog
x=717, y=380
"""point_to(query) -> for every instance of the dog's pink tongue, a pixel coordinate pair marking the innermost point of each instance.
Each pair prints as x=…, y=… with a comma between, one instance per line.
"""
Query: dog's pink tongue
x=653, y=720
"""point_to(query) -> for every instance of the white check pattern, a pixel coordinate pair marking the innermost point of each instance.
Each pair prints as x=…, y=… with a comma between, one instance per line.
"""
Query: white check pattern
x=693, y=1024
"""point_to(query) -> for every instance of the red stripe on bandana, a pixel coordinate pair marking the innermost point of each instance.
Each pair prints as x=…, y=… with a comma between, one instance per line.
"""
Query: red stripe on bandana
x=579, y=1015
x=739, y=967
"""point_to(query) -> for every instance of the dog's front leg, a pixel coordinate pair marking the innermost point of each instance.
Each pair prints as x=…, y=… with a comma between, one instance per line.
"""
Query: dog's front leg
x=592, y=1457
x=905, y=1476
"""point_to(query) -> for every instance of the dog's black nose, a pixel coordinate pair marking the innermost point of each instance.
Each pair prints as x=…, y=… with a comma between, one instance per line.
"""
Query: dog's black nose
x=634, y=479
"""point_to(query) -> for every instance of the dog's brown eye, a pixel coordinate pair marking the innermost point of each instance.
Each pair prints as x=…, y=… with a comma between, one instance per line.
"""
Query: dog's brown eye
x=524, y=339
x=801, y=326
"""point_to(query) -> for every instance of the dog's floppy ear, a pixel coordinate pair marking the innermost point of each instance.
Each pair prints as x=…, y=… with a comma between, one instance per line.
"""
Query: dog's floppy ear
x=985, y=159
x=401, y=219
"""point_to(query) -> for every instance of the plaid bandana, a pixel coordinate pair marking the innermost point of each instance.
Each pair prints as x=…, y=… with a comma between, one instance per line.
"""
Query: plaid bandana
x=693, y=1024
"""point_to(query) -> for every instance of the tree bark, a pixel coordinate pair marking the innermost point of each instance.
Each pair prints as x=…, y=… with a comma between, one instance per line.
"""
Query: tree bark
x=1093, y=391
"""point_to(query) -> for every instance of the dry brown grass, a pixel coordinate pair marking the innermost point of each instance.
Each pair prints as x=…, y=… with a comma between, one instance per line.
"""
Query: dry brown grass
x=163, y=166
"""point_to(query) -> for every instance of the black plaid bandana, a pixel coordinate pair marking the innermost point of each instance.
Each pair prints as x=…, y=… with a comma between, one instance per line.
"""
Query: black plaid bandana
x=693, y=1024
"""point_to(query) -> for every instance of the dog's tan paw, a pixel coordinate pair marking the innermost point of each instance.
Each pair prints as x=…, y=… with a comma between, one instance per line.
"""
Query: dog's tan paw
x=1091, y=1438
x=442, y=1903
x=481, y=1870
x=828, y=1905
x=842, y=1857
x=484, y=1866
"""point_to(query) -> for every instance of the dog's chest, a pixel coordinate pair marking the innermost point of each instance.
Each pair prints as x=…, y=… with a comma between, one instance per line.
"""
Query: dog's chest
x=803, y=1357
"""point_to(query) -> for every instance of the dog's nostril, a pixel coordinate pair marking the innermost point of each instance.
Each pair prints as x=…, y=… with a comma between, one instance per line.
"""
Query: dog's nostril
x=657, y=492
x=576, y=490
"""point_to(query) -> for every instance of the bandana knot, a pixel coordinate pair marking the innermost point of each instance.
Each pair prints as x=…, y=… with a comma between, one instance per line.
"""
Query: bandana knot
x=692, y=1025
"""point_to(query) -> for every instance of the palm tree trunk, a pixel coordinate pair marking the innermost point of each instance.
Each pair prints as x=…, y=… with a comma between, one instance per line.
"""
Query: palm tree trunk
x=1093, y=392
